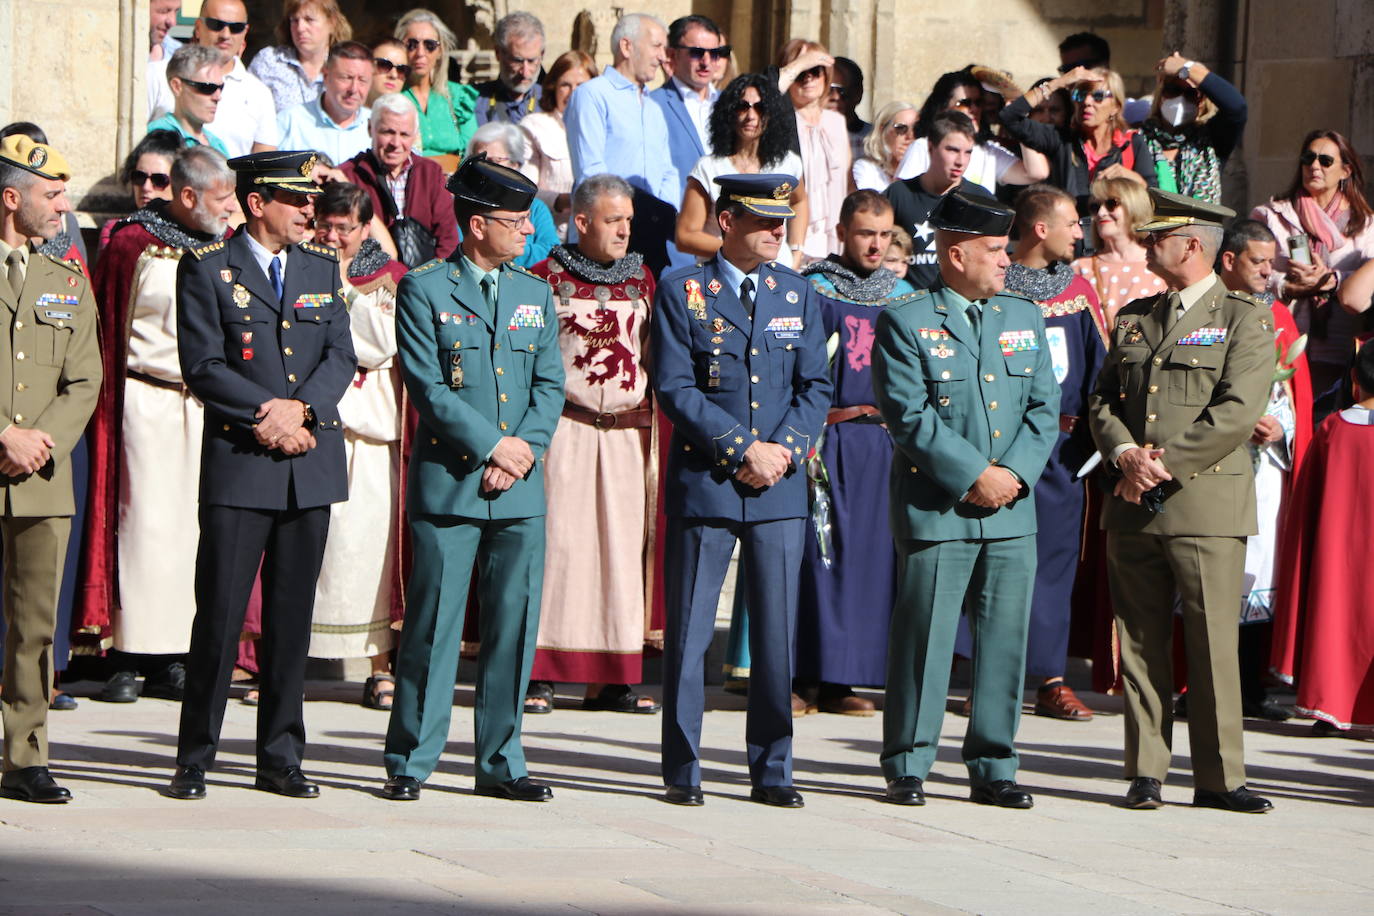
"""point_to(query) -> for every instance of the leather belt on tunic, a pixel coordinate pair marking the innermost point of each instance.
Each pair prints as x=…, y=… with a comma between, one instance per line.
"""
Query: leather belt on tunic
x=859, y=412
x=158, y=382
x=640, y=417
x=1068, y=423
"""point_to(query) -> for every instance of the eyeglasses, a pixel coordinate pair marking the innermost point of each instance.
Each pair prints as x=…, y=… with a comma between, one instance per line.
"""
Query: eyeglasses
x=159, y=180
x=515, y=222
x=202, y=88
x=720, y=53
x=814, y=73
x=1174, y=90
x=1308, y=157
x=1154, y=238
x=344, y=229
x=969, y=104
x=413, y=44
x=901, y=128
x=1111, y=203
x=385, y=66
x=1097, y=95
x=219, y=25
x=743, y=107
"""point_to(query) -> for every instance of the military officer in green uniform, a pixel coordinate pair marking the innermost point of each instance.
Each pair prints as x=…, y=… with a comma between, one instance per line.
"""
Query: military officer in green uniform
x=964, y=380
x=478, y=341
x=50, y=373
x=1185, y=381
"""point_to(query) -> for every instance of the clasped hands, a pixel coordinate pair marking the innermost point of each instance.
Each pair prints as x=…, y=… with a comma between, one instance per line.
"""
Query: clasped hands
x=994, y=488
x=24, y=451
x=510, y=461
x=764, y=464
x=1141, y=471
x=280, y=426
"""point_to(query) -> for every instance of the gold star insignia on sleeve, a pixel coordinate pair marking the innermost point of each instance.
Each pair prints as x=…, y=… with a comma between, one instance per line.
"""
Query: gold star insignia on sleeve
x=790, y=440
x=730, y=450
x=739, y=440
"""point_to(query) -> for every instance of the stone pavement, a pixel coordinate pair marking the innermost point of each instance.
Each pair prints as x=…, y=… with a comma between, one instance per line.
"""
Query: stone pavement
x=606, y=845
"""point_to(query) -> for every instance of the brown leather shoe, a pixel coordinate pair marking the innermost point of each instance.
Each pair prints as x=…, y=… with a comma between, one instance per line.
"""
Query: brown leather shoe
x=847, y=704
x=800, y=707
x=1058, y=701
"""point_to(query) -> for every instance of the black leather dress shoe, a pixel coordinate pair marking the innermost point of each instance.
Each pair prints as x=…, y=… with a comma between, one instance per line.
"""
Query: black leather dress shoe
x=522, y=789
x=1240, y=799
x=33, y=784
x=1267, y=710
x=778, y=796
x=1003, y=793
x=689, y=796
x=1143, y=794
x=401, y=788
x=906, y=790
x=187, y=783
x=288, y=781
x=122, y=687
x=169, y=685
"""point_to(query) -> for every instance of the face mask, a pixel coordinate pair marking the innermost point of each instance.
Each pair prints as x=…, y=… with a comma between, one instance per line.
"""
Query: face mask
x=1177, y=111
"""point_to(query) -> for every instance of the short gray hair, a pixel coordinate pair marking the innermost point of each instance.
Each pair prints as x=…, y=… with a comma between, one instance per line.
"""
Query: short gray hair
x=518, y=24
x=1209, y=237
x=596, y=187
x=630, y=26
x=190, y=59
x=397, y=104
x=12, y=176
x=503, y=132
x=199, y=168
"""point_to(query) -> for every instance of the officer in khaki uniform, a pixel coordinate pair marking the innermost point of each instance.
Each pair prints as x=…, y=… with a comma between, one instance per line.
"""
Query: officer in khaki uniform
x=964, y=380
x=50, y=377
x=478, y=343
x=1186, y=380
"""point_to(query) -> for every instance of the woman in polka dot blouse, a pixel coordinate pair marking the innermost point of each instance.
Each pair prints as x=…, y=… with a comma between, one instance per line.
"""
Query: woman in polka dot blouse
x=1117, y=271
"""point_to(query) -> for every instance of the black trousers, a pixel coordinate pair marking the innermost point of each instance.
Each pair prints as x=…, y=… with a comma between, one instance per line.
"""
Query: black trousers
x=289, y=544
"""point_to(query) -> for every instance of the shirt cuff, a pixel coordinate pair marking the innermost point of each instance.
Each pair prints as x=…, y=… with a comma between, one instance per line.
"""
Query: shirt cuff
x=1121, y=450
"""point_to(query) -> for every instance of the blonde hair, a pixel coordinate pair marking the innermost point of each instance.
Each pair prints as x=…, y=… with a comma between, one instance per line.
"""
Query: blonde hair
x=448, y=42
x=1118, y=91
x=902, y=239
x=875, y=147
x=339, y=27
x=1135, y=200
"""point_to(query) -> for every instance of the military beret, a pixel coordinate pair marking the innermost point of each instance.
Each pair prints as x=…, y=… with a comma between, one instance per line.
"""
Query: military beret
x=41, y=159
x=288, y=170
x=1175, y=210
x=763, y=195
x=971, y=213
x=484, y=184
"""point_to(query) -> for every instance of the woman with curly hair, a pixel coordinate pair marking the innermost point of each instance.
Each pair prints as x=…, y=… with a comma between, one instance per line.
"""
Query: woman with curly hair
x=448, y=110
x=749, y=133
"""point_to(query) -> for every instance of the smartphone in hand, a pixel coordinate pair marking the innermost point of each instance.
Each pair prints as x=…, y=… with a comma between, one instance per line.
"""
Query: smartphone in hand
x=1299, y=248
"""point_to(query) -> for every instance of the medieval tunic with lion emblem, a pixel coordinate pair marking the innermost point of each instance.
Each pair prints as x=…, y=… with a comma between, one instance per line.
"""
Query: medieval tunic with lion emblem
x=600, y=476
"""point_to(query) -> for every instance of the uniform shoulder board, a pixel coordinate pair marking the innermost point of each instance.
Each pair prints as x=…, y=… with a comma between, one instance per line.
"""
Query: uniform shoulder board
x=1247, y=298
x=428, y=265
x=201, y=252
x=518, y=269
x=1016, y=295
x=71, y=264
x=323, y=251
x=908, y=297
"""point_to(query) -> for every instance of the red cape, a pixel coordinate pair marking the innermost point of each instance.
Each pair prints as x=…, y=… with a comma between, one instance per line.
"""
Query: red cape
x=1323, y=625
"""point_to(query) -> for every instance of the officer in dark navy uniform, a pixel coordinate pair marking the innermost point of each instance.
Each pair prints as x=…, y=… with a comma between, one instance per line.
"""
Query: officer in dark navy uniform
x=739, y=365
x=263, y=338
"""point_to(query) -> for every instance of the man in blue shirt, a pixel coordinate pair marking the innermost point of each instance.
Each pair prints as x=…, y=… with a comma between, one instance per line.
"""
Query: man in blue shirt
x=336, y=123
x=614, y=126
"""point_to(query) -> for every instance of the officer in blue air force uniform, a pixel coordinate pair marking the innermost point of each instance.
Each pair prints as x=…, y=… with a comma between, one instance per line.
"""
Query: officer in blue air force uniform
x=263, y=339
x=964, y=380
x=739, y=365
x=478, y=341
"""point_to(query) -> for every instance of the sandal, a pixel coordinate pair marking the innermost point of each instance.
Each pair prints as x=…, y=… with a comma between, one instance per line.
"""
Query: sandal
x=539, y=698
x=250, y=697
x=620, y=698
x=374, y=696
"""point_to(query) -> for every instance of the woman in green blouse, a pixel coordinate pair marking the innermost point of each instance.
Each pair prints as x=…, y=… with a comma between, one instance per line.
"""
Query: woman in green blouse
x=447, y=109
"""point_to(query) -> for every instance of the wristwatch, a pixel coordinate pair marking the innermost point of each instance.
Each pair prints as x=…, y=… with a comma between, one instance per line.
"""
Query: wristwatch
x=1185, y=69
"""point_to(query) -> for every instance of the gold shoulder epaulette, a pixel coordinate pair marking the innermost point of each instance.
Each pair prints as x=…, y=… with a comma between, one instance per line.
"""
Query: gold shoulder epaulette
x=71, y=264
x=202, y=251
x=323, y=251
x=516, y=267
x=428, y=265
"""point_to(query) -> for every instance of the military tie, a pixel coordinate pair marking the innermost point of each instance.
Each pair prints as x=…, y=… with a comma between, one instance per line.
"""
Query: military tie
x=975, y=317
x=14, y=267
x=1176, y=310
x=274, y=274
x=489, y=294
x=746, y=296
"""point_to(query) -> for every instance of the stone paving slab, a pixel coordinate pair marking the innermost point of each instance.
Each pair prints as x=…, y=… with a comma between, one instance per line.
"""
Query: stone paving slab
x=607, y=845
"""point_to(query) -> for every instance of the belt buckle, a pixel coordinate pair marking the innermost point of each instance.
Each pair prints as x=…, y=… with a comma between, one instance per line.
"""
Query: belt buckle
x=605, y=421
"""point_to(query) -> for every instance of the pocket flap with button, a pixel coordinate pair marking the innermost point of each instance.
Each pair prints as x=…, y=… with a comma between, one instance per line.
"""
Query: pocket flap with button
x=1197, y=357
x=1020, y=365
x=54, y=328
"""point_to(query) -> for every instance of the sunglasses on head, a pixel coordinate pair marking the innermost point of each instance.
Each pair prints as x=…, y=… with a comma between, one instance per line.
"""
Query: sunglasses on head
x=160, y=180
x=385, y=66
x=219, y=25
x=1174, y=90
x=1308, y=157
x=814, y=73
x=413, y=44
x=720, y=53
x=203, y=88
x=1097, y=95
x=742, y=107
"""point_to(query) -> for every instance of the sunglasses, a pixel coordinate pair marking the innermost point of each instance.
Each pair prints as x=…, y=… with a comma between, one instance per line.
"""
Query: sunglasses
x=160, y=180
x=219, y=25
x=901, y=129
x=1308, y=157
x=742, y=107
x=838, y=90
x=385, y=66
x=814, y=73
x=721, y=53
x=413, y=44
x=202, y=88
x=1111, y=203
x=1097, y=95
x=1174, y=90
x=969, y=104
x=1091, y=64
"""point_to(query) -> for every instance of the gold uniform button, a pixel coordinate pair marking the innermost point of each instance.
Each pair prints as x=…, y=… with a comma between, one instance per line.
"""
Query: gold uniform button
x=20, y=387
x=504, y=399
x=433, y=440
x=285, y=323
x=1194, y=360
x=465, y=457
x=19, y=355
x=944, y=374
x=497, y=345
x=19, y=325
x=754, y=405
x=63, y=324
x=992, y=405
x=753, y=351
x=1154, y=389
x=754, y=379
x=19, y=418
x=288, y=351
x=788, y=347
x=457, y=344
x=1159, y=360
x=989, y=377
x=226, y=427
x=996, y=434
x=500, y=371
x=1151, y=418
x=1217, y=469
x=687, y=447
x=753, y=432
x=1029, y=370
x=716, y=352
x=291, y=377
x=913, y=469
x=503, y=426
x=531, y=348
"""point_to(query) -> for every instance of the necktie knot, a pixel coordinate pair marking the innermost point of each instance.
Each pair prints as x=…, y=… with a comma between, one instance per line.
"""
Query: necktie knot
x=488, y=290
x=1176, y=310
x=975, y=316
